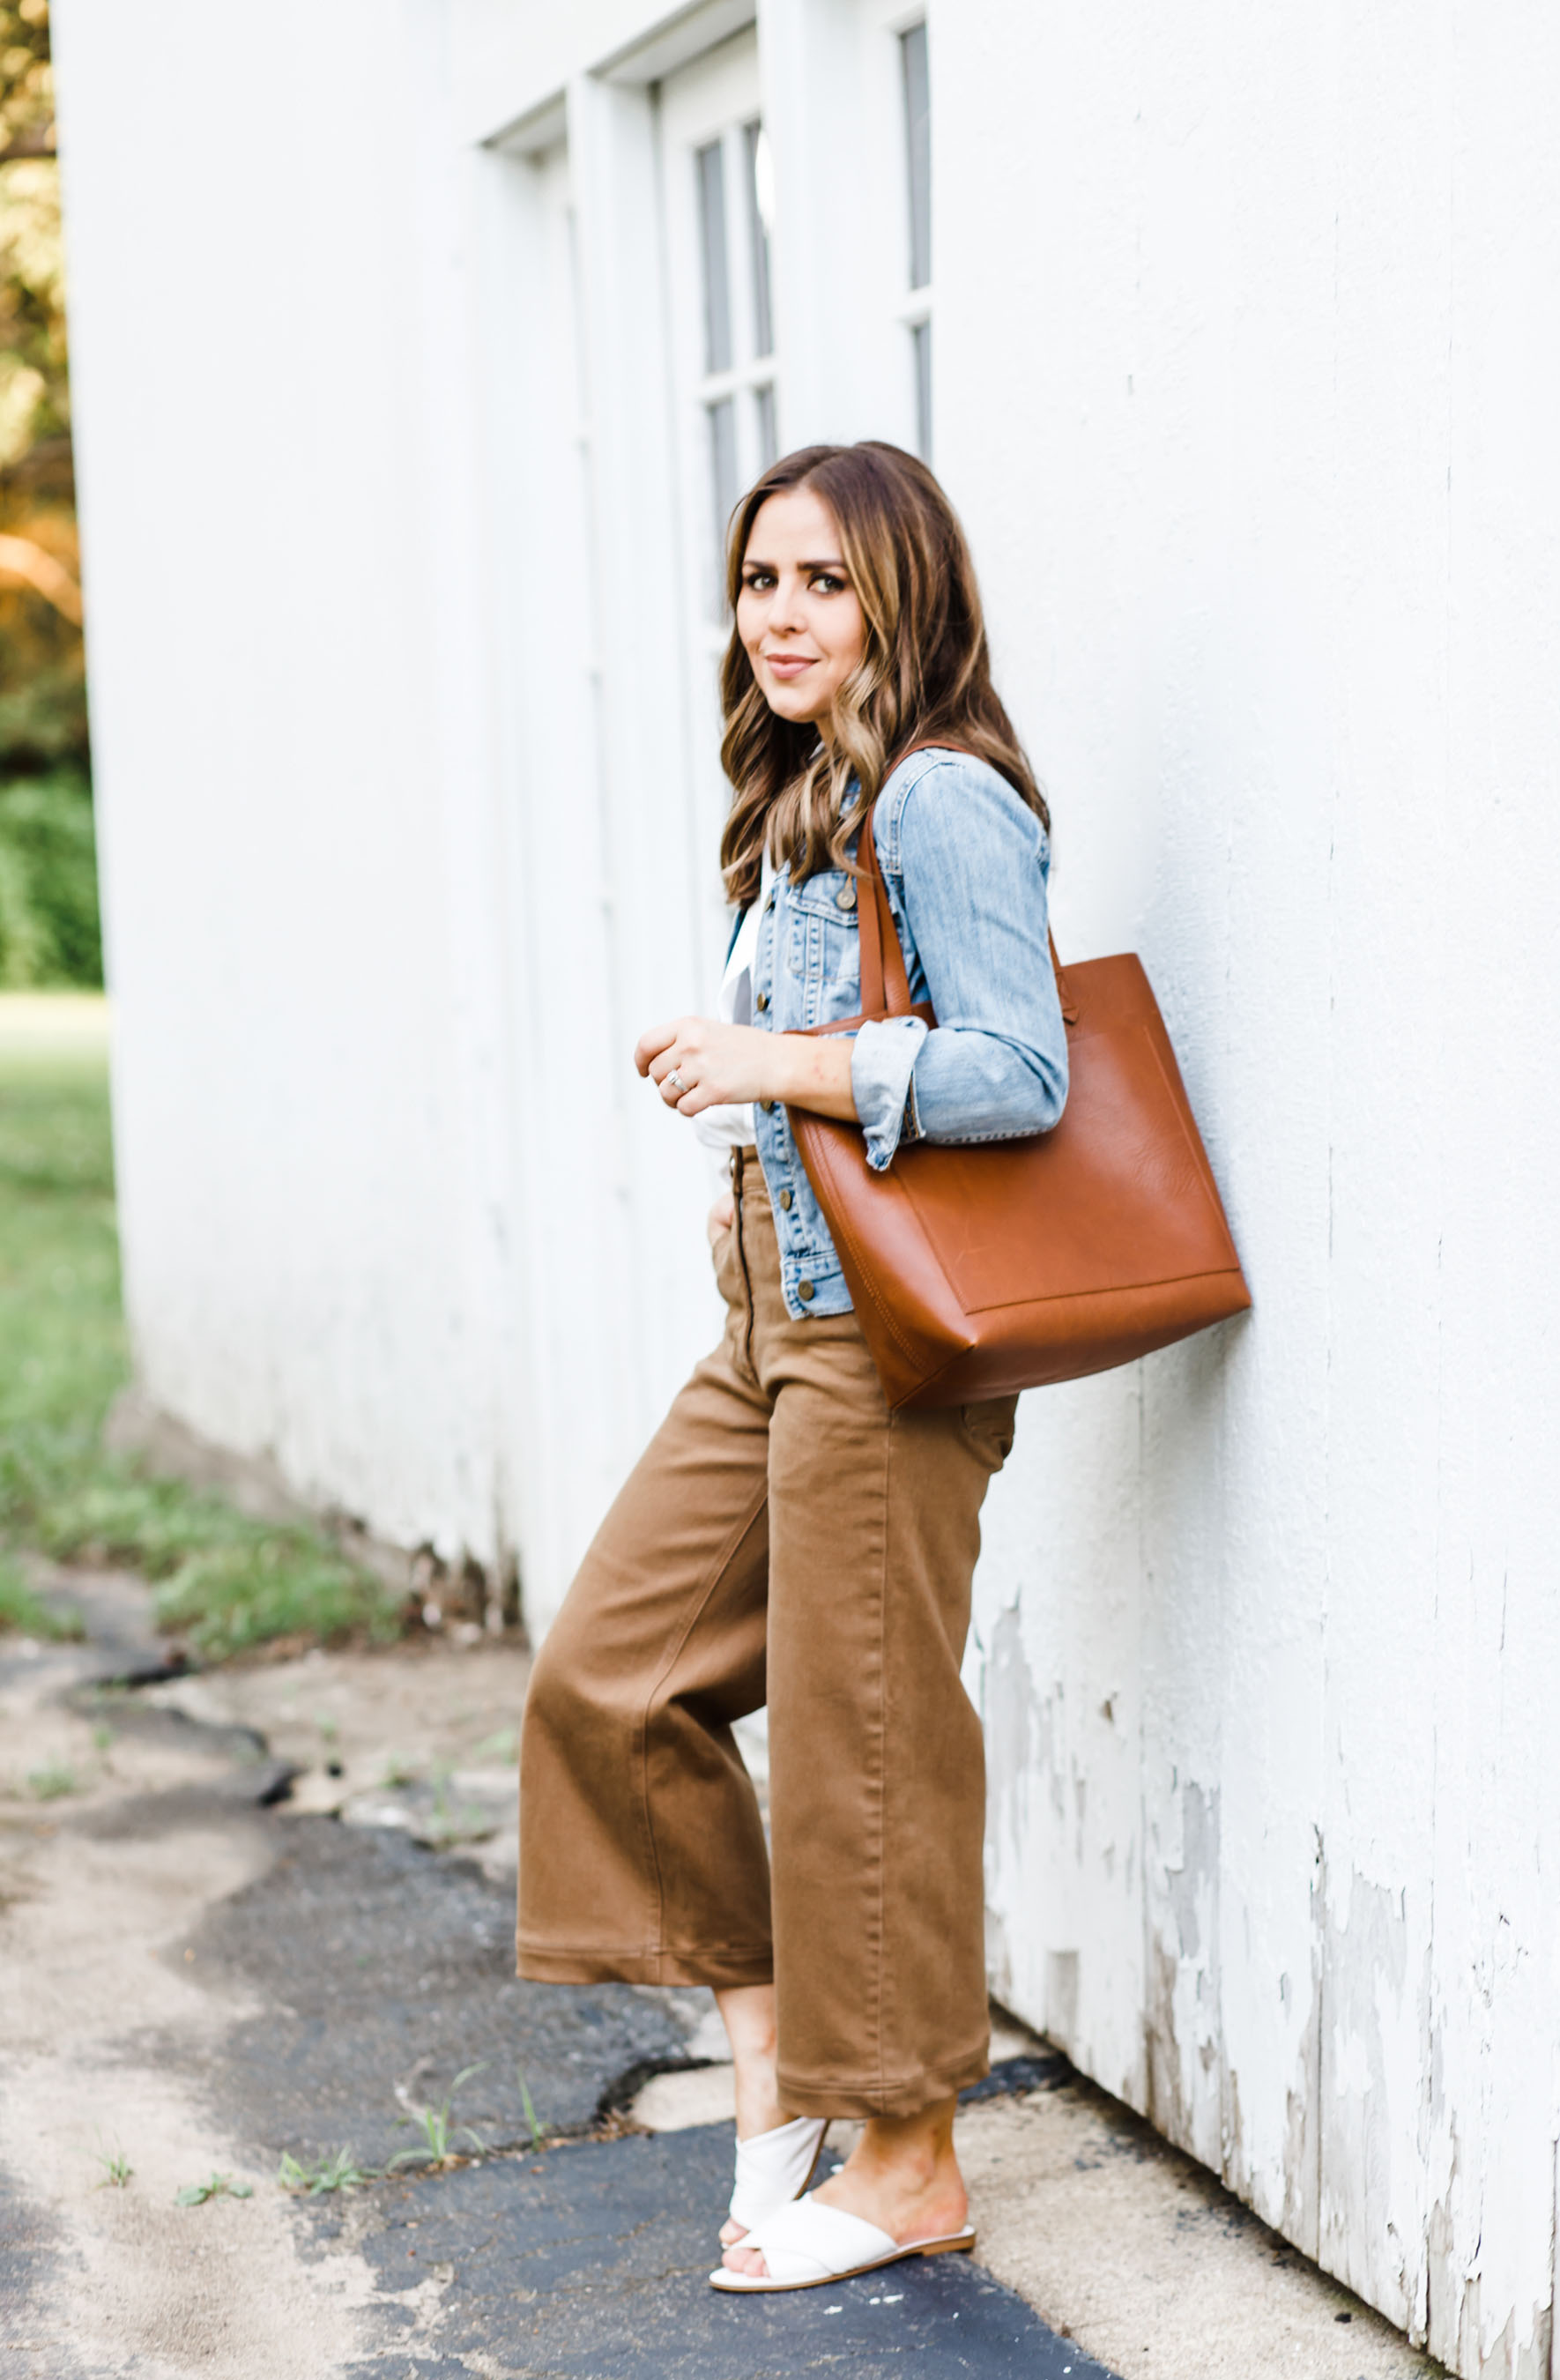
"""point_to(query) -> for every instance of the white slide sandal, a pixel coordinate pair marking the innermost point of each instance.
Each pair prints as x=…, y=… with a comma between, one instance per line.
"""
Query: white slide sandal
x=808, y=2243
x=775, y=2167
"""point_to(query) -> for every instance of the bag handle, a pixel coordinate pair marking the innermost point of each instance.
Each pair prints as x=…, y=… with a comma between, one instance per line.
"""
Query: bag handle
x=885, y=986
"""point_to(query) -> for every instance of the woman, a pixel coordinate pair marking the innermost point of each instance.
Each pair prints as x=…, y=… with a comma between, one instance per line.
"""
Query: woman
x=786, y=1539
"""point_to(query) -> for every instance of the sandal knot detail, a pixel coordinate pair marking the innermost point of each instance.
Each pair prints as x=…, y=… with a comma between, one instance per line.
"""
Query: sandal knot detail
x=775, y=2167
x=807, y=2244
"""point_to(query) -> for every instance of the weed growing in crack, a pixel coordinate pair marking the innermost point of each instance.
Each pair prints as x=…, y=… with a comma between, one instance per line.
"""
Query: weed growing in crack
x=217, y=2185
x=539, y=2138
x=117, y=2167
x=341, y=2171
x=437, y=2135
x=50, y=1782
x=447, y=1823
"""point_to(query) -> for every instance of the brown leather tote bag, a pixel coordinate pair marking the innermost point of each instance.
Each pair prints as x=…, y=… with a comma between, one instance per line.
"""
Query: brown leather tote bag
x=980, y=1270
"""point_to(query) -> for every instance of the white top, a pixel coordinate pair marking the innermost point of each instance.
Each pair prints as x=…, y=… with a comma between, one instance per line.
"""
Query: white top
x=731, y=1126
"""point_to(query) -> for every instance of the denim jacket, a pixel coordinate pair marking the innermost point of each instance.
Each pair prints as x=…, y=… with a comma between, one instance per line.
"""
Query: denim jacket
x=965, y=863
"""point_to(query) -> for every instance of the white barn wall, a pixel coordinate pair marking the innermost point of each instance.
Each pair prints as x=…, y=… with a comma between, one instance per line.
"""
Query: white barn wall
x=1271, y=541
x=1243, y=336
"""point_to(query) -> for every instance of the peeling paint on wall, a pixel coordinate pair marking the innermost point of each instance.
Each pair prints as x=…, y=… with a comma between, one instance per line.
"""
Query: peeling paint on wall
x=1300, y=2213
x=1367, y=2199
x=1181, y=2022
x=1009, y=1707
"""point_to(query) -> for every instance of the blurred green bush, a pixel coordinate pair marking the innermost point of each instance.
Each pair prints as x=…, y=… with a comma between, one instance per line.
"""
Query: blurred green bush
x=49, y=932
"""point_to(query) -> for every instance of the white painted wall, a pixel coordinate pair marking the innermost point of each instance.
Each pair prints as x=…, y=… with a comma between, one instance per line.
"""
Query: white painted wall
x=1269, y=519
x=1244, y=342
x=271, y=484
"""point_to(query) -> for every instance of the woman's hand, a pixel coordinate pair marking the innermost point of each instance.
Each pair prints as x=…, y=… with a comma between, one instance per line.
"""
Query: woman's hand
x=696, y=1063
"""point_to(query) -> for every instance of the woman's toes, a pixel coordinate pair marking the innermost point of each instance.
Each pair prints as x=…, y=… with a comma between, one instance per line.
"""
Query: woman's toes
x=732, y=2232
x=746, y=2260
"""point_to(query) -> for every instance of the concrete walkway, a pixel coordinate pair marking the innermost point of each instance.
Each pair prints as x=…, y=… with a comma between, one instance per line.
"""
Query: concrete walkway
x=267, y=1911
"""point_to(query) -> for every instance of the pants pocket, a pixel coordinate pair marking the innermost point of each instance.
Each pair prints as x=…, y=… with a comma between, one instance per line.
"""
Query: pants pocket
x=722, y=1257
x=992, y=1425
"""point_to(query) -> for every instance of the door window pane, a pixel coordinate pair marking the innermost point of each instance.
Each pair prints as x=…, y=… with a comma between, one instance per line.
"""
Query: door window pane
x=768, y=440
x=759, y=179
x=918, y=152
x=734, y=392
x=921, y=336
x=712, y=239
x=725, y=487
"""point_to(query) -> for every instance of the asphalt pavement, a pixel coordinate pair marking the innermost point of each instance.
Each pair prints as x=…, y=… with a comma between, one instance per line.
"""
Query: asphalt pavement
x=342, y=1988
x=377, y=1961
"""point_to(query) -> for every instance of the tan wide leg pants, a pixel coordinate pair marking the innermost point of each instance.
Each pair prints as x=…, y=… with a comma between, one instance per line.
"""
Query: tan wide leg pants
x=784, y=1539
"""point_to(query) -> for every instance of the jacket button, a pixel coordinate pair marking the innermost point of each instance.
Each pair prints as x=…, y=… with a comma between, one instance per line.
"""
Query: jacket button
x=846, y=897
x=762, y=1002
x=805, y=1290
x=785, y=1200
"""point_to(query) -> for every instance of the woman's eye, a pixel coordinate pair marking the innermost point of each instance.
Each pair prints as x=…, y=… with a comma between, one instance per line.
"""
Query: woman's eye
x=759, y=581
x=826, y=583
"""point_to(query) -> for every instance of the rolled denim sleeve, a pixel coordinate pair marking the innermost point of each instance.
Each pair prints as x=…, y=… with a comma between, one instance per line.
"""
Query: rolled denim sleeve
x=882, y=1067
x=973, y=860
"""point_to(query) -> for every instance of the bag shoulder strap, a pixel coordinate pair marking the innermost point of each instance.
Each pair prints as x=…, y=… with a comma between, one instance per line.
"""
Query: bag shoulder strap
x=885, y=986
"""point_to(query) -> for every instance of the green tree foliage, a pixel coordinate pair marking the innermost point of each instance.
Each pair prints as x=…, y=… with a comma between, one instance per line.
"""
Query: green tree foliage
x=27, y=98
x=48, y=888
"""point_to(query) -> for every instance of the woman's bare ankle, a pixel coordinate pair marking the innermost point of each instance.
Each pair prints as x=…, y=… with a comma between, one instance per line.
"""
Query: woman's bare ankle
x=758, y=2107
x=748, y=2014
x=903, y=2176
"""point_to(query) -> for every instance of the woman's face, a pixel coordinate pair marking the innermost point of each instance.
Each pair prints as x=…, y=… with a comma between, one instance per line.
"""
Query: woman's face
x=797, y=612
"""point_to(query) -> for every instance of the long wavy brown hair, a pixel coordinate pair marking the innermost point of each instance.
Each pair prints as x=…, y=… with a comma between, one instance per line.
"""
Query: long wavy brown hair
x=926, y=671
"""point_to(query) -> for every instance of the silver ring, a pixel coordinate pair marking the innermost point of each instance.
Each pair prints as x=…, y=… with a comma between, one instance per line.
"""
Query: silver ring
x=676, y=1082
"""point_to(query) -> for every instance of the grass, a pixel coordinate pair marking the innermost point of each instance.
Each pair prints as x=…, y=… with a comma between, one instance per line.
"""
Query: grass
x=437, y=2135
x=51, y=1783
x=216, y=2185
x=315, y=2177
x=225, y=1582
x=539, y=2138
x=341, y=2171
x=27, y=1612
